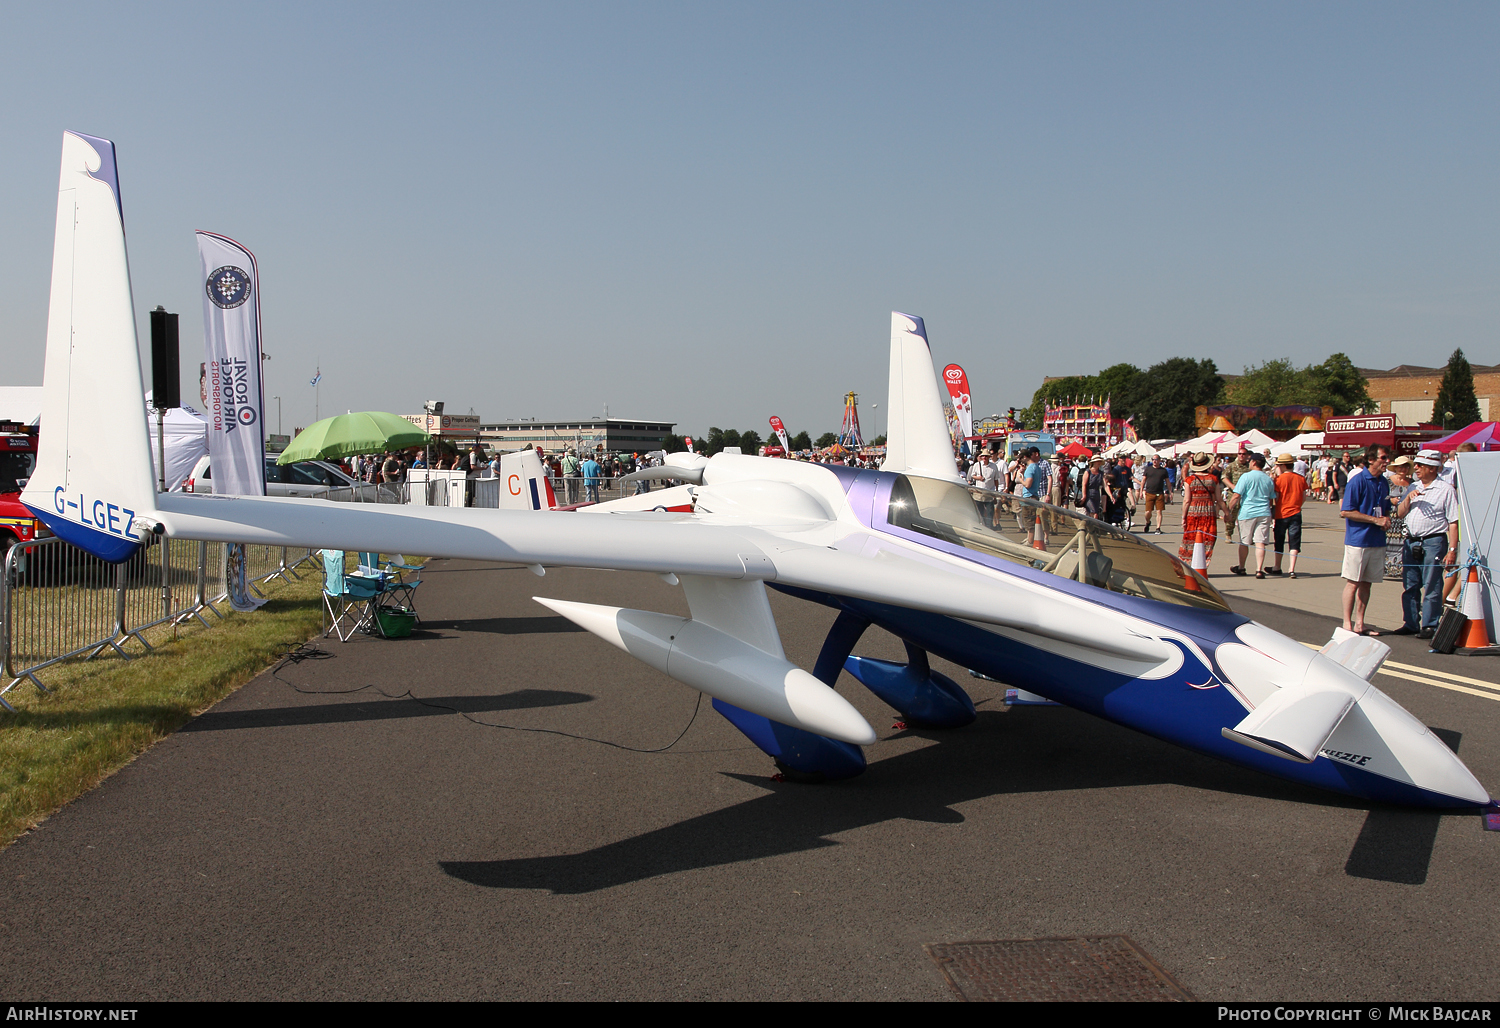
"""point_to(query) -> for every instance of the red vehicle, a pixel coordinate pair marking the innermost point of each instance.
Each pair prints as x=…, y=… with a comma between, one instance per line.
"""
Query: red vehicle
x=17, y=459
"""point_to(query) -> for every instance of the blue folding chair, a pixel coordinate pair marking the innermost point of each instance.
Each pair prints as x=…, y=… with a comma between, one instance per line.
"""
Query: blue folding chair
x=401, y=589
x=348, y=600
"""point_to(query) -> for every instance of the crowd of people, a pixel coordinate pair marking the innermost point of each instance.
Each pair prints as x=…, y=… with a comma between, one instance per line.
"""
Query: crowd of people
x=577, y=478
x=1259, y=501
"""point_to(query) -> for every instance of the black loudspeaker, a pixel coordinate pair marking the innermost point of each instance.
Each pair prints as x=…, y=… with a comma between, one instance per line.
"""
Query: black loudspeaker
x=166, y=375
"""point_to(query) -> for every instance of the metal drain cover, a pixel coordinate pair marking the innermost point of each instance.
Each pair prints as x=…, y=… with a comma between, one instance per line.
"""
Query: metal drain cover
x=1087, y=968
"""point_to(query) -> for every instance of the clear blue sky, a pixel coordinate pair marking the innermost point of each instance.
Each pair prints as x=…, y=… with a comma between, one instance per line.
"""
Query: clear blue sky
x=705, y=212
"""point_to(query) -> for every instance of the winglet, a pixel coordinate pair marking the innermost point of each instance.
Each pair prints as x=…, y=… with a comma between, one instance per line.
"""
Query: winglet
x=92, y=484
x=917, y=441
x=523, y=482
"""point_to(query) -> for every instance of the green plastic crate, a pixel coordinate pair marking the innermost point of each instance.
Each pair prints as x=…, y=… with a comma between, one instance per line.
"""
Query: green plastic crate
x=396, y=622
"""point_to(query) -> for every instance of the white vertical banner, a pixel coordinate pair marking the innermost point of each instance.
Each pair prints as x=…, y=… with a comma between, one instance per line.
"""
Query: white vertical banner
x=232, y=390
x=231, y=337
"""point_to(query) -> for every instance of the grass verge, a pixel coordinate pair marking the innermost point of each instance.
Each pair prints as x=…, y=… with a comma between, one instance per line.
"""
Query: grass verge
x=102, y=713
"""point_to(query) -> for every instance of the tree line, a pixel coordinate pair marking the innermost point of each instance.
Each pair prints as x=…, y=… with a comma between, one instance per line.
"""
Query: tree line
x=1162, y=398
x=751, y=441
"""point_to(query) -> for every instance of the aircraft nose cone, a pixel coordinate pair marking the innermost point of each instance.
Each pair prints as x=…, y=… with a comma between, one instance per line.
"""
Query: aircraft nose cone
x=1378, y=735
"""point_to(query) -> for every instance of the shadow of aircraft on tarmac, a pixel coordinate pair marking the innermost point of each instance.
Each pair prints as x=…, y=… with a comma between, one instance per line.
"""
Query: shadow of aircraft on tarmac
x=1000, y=754
x=543, y=625
x=380, y=710
x=1395, y=844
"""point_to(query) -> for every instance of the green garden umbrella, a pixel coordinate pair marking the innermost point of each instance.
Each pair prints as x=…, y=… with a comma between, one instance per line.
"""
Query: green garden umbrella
x=348, y=434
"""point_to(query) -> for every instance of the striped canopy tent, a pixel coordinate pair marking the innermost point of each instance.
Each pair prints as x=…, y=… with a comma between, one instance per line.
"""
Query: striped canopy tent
x=1483, y=434
x=1229, y=444
x=1140, y=448
x=1298, y=445
x=1256, y=440
x=1208, y=442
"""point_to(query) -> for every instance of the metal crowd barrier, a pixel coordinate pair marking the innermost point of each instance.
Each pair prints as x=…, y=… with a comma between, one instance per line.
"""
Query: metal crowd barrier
x=369, y=492
x=58, y=602
x=485, y=492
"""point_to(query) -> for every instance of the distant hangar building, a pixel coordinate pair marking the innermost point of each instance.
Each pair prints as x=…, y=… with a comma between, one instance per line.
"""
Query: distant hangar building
x=609, y=434
x=1409, y=392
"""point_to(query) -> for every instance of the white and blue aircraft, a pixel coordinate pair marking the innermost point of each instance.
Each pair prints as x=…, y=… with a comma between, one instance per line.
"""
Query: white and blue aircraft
x=1057, y=605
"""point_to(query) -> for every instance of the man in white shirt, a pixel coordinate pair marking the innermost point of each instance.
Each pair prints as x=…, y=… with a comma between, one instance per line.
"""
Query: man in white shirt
x=1431, y=511
x=985, y=475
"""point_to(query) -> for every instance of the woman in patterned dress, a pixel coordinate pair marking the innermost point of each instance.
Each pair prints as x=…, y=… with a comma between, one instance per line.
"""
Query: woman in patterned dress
x=1201, y=504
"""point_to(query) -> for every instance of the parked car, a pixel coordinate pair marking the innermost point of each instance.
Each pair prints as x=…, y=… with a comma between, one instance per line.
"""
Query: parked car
x=308, y=478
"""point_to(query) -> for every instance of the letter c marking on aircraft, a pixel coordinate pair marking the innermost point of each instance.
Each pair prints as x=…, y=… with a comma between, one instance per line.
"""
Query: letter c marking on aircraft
x=514, y=484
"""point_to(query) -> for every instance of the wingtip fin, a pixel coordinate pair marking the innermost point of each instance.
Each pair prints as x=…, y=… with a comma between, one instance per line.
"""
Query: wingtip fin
x=91, y=386
x=917, y=441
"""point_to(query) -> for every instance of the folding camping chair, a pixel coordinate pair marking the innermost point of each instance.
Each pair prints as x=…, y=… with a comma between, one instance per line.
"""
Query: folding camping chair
x=349, y=601
x=401, y=589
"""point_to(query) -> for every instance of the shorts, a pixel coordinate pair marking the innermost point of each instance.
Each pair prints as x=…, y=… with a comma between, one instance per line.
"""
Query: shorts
x=1255, y=530
x=1289, y=533
x=1364, y=563
x=1156, y=501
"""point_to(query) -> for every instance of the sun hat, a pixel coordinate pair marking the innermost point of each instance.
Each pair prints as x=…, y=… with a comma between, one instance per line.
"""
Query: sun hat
x=1285, y=458
x=1202, y=461
x=1431, y=458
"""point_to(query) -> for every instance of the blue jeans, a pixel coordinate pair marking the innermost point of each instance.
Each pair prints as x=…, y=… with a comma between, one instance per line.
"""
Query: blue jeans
x=1422, y=570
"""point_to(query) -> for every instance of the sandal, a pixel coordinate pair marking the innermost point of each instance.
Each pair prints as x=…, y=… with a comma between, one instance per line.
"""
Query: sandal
x=1237, y=571
x=1291, y=574
x=1260, y=574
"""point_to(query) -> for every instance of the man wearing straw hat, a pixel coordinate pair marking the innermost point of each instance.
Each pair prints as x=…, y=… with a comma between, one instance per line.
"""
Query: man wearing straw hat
x=1291, y=493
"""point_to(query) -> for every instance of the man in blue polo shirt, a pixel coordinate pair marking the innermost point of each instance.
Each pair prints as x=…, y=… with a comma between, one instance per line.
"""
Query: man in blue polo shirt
x=1366, y=510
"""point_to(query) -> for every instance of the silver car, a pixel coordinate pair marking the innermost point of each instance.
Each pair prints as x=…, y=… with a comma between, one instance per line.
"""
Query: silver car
x=308, y=478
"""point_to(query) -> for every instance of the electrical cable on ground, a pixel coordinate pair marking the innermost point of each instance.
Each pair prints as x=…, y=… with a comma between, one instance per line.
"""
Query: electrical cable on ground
x=311, y=651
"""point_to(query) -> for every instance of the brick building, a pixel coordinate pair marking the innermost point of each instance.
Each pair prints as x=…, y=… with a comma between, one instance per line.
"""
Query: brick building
x=1409, y=391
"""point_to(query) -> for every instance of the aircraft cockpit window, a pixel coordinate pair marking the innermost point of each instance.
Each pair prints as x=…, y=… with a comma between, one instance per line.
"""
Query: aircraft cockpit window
x=1047, y=538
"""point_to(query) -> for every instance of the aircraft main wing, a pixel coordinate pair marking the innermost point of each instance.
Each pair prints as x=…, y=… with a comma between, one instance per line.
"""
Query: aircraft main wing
x=639, y=542
x=677, y=543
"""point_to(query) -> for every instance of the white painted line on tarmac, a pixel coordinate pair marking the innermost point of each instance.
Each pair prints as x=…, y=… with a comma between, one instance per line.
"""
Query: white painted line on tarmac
x=1443, y=674
x=1443, y=685
x=1423, y=678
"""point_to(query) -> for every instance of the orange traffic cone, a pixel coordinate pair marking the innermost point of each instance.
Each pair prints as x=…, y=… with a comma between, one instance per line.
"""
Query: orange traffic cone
x=1200, y=565
x=1473, y=608
x=1037, y=534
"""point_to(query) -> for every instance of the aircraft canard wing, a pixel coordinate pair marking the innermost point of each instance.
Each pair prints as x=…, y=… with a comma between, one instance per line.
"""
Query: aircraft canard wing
x=917, y=441
x=901, y=581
